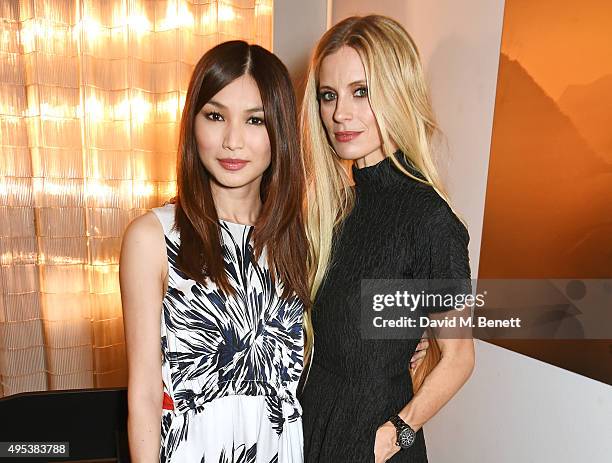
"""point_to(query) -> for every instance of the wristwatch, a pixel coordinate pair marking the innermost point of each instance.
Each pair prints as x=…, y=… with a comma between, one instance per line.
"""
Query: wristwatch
x=405, y=434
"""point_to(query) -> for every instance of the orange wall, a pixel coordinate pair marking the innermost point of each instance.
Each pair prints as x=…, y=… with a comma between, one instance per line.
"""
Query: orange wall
x=548, y=208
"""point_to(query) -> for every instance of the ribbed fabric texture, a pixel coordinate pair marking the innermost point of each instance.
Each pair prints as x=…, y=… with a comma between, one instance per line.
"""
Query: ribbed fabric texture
x=399, y=228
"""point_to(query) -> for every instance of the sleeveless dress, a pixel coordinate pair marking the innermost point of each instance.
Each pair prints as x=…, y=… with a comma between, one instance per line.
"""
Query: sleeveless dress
x=230, y=363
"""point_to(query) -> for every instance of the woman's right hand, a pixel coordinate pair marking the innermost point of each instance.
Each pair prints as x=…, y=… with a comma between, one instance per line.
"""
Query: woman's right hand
x=385, y=443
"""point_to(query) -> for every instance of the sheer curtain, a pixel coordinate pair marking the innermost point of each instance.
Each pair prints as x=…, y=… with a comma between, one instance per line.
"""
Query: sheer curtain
x=90, y=102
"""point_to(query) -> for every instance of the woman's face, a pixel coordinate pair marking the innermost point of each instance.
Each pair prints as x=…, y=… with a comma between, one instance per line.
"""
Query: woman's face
x=345, y=110
x=231, y=135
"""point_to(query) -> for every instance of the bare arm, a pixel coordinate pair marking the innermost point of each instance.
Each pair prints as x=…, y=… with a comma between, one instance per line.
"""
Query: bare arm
x=447, y=377
x=443, y=253
x=142, y=272
x=440, y=385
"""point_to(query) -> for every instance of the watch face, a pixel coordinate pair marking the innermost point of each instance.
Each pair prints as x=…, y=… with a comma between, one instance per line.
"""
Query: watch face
x=406, y=438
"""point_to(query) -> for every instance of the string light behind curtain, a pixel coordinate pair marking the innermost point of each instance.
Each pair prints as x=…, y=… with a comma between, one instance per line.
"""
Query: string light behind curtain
x=90, y=102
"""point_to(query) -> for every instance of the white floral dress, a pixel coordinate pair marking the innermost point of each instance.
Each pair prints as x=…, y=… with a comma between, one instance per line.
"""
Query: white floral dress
x=230, y=364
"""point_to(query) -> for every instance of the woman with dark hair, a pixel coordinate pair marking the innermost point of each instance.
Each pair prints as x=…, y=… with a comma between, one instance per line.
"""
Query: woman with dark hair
x=220, y=272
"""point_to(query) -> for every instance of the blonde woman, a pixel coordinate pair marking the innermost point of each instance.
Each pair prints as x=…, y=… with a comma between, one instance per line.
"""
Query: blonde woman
x=366, y=102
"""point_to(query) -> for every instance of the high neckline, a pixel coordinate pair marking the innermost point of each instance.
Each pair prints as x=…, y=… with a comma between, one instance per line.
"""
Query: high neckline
x=384, y=173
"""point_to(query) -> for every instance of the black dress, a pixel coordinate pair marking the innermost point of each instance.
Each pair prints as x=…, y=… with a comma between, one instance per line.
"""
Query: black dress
x=399, y=228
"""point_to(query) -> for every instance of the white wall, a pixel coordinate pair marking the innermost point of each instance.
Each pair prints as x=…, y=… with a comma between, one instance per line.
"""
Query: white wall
x=518, y=409
x=514, y=408
x=296, y=30
x=459, y=45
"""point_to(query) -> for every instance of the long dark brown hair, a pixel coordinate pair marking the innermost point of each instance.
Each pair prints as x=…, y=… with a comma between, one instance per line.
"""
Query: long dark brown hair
x=280, y=225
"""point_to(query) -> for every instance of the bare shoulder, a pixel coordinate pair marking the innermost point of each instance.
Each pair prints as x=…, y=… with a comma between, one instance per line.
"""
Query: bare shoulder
x=143, y=254
x=145, y=227
x=145, y=237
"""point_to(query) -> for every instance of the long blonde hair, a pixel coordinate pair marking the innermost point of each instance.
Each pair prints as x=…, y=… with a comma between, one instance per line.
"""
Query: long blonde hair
x=400, y=102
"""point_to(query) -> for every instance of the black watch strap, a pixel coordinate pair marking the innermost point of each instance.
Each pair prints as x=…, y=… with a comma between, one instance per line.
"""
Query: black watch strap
x=398, y=422
x=405, y=434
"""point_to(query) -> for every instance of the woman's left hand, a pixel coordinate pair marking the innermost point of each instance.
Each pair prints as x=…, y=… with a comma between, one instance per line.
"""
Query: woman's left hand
x=385, y=444
x=419, y=353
